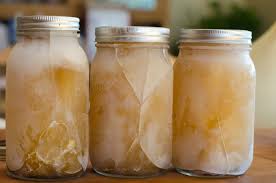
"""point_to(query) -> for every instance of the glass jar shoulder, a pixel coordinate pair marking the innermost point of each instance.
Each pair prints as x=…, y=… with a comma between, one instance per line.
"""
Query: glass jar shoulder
x=29, y=56
x=125, y=56
x=69, y=53
x=104, y=59
x=38, y=54
x=216, y=60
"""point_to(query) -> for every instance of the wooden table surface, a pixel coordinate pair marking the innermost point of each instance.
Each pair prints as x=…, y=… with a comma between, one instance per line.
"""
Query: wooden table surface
x=263, y=169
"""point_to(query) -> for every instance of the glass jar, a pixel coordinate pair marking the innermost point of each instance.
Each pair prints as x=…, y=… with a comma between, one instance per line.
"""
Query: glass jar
x=214, y=103
x=131, y=102
x=47, y=100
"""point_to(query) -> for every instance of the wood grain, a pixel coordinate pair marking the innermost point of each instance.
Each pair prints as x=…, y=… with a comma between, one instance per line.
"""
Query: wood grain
x=263, y=169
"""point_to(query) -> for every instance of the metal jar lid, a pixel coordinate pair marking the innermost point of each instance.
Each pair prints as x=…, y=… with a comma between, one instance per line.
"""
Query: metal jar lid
x=47, y=23
x=215, y=36
x=132, y=34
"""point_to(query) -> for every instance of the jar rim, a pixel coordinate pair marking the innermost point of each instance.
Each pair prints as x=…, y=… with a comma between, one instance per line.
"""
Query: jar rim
x=46, y=23
x=132, y=34
x=225, y=36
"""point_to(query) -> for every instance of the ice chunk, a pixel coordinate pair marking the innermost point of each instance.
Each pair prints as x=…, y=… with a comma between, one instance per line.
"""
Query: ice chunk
x=134, y=63
x=114, y=114
x=158, y=68
x=156, y=117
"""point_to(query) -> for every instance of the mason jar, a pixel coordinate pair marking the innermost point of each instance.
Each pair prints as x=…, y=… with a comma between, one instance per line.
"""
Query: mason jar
x=214, y=103
x=131, y=102
x=47, y=100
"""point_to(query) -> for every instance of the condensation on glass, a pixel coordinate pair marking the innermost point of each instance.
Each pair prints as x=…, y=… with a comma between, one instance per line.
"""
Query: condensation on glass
x=214, y=103
x=47, y=100
x=131, y=102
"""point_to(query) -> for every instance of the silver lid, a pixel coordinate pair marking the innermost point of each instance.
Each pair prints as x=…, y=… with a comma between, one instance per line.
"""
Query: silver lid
x=47, y=23
x=132, y=34
x=215, y=36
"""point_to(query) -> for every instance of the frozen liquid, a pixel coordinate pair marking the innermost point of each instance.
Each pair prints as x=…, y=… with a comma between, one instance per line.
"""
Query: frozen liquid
x=131, y=107
x=47, y=114
x=213, y=123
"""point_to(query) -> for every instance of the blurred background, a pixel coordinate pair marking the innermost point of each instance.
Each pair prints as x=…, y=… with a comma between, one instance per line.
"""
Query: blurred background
x=257, y=16
x=254, y=15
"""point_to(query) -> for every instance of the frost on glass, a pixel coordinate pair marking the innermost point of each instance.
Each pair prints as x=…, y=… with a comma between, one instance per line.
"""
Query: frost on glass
x=213, y=124
x=131, y=107
x=47, y=109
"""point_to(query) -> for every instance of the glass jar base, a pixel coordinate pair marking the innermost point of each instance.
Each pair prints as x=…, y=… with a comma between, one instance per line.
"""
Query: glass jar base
x=128, y=176
x=203, y=174
x=51, y=179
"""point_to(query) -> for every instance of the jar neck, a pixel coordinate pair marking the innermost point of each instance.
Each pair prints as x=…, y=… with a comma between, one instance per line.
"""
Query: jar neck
x=47, y=35
x=215, y=48
x=132, y=45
